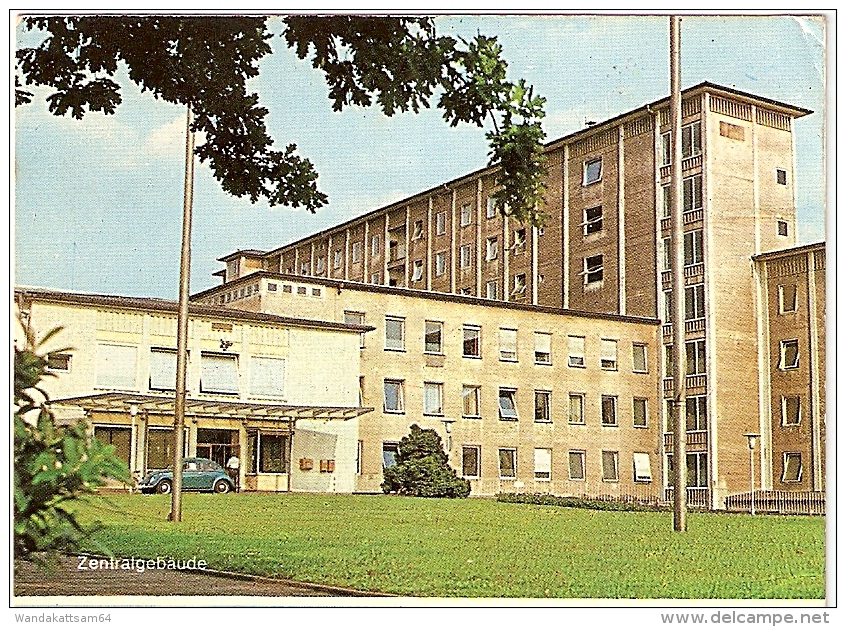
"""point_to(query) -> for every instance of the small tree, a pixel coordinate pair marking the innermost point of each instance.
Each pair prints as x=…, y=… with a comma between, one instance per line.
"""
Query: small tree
x=422, y=468
x=53, y=465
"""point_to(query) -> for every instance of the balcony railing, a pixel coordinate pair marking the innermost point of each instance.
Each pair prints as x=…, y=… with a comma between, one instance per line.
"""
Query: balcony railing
x=689, y=217
x=695, y=440
x=692, y=381
x=690, y=163
x=696, y=497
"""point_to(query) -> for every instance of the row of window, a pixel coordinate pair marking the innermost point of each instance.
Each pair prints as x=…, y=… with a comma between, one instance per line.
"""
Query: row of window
x=433, y=343
x=471, y=404
x=117, y=369
x=695, y=358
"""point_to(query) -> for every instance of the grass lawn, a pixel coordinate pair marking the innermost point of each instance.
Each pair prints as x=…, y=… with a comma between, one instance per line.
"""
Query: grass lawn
x=473, y=547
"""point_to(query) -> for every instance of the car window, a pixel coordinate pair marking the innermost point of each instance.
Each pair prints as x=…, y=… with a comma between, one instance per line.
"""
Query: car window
x=190, y=466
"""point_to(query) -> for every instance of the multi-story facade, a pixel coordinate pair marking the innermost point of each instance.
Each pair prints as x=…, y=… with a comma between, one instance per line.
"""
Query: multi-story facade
x=253, y=388
x=604, y=248
x=526, y=399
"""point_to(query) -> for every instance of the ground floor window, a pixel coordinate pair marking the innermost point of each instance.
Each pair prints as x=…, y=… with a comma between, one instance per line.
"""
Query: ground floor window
x=576, y=460
x=508, y=463
x=390, y=450
x=697, y=470
x=119, y=437
x=267, y=452
x=543, y=464
x=470, y=461
x=792, y=468
x=610, y=468
x=160, y=447
x=217, y=444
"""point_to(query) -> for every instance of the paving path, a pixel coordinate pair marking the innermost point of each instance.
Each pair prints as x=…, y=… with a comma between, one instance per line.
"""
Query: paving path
x=66, y=579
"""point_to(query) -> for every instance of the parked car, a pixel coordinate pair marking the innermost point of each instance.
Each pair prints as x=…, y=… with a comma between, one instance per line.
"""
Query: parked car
x=198, y=474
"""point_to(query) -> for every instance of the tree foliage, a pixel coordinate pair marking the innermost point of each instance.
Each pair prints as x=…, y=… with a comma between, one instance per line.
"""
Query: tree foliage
x=422, y=468
x=53, y=465
x=398, y=63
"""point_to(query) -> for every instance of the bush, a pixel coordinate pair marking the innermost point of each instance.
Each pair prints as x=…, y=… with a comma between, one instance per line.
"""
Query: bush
x=572, y=501
x=53, y=465
x=422, y=468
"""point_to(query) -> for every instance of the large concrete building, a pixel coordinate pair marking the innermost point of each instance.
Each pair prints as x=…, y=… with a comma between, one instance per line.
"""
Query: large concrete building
x=604, y=250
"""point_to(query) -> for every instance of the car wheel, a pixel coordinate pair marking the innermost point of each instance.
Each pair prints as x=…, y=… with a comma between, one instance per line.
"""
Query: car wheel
x=222, y=487
x=164, y=487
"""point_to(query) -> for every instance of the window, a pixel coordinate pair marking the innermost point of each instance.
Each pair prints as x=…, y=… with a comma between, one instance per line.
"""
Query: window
x=781, y=176
x=668, y=360
x=440, y=263
x=466, y=256
x=395, y=334
x=666, y=201
x=491, y=248
x=508, y=463
x=791, y=410
x=593, y=220
x=508, y=344
x=697, y=470
x=472, y=344
x=270, y=454
x=692, y=192
x=305, y=268
x=470, y=401
x=576, y=464
x=792, y=468
x=781, y=228
x=355, y=317
x=608, y=355
x=576, y=351
x=666, y=148
x=466, y=214
x=639, y=363
x=592, y=171
x=691, y=140
x=394, y=398
x=375, y=245
x=417, y=233
x=696, y=413
x=417, y=273
x=219, y=373
x=116, y=366
x=507, y=404
x=667, y=257
x=543, y=464
x=609, y=410
x=359, y=454
x=695, y=352
x=320, y=265
x=466, y=291
x=642, y=470
x=119, y=437
x=593, y=269
x=610, y=470
x=58, y=362
x=577, y=409
x=519, y=285
x=433, y=399
x=356, y=252
x=694, y=302
x=492, y=290
x=375, y=278
x=267, y=376
x=470, y=461
x=433, y=338
x=492, y=208
x=732, y=131
x=162, y=369
x=543, y=348
x=789, y=354
x=440, y=223
x=337, y=258
x=693, y=247
x=786, y=299
x=390, y=450
x=542, y=406
x=639, y=416
x=519, y=245
x=301, y=290
x=668, y=306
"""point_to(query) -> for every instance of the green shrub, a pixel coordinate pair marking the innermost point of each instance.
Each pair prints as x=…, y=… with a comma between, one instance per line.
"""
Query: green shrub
x=53, y=465
x=608, y=505
x=422, y=468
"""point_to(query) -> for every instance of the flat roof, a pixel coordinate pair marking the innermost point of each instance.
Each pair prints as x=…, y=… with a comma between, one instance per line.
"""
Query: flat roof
x=171, y=306
x=787, y=252
x=428, y=295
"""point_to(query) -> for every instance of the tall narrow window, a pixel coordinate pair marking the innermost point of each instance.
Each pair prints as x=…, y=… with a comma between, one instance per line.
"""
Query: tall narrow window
x=375, y=245
x=508, y=344
x=417, y=233
x=791, y=410
x=417, y=273
x=692, y=192
x=434, y=337
x=491, y=248
x=337, y=258
x=394, y=401
x=355, y=317
x=466, y=255
x=786, y=298
x=666, y=148
x=592, y=171
x=610, y=470
x=792, y=468
x=694, y=301
x=576, y=351
x=390, y=450
x=466, y=214
x=577, y=409
x=542, y=406
x=492, y=290
x=440, y=263
x=543, y=464
x=693, y=247
x=608, y=355
x=433, y=399
x=508, y=463
x=639, y=363
x=472, y=344
x=666, y=201
x=781, y=228
x=320, y=265
x=789, y=354
x=593, y=220
x=507, y=404
x=593, y=269
x=696, y=413
x=781, y=176
x=639, y=412
x=470, y=401
x=543, y=348
x=356, y=252
x=695, y=357
x=491, y=209
x=609, y=410
x=576, y=461
x=394, y=334
x=440, y=223
x=691, y=140
x=519, y=241
x=470, y=461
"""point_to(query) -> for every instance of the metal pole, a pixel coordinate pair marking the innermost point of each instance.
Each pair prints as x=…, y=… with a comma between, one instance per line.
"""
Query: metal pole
x=182, y=324
x=752, y=478
x=677, y=266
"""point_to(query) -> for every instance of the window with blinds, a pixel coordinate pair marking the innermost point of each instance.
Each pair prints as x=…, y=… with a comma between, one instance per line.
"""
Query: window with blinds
x=642, y=469
x=219, y=373
x=162, y=369
x=267, y=376
x=117, y=366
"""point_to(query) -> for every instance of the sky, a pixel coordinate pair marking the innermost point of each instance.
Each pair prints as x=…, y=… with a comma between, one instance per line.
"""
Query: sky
x=98, y=202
